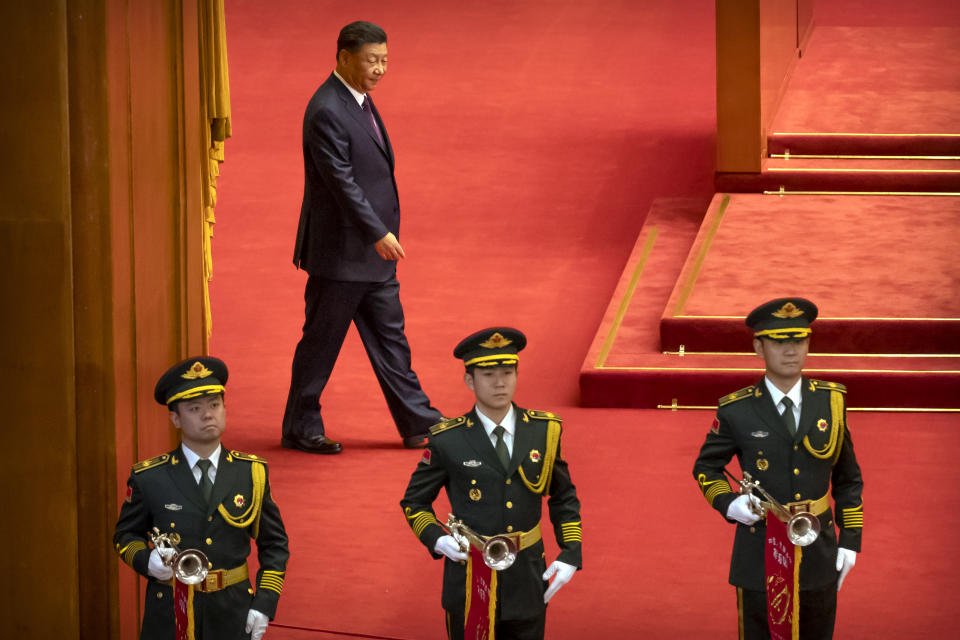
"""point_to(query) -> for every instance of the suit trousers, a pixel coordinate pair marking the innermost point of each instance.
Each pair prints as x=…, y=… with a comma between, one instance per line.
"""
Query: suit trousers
x=527, y=629
x=818, y=611
x=375, y=309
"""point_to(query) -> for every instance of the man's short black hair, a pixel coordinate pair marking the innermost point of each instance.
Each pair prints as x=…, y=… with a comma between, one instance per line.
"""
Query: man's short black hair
x=356, y=34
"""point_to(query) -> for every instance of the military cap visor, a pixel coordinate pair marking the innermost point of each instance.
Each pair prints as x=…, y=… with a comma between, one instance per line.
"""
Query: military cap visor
x=492, y=347
x=191, y=378
x=783, y=319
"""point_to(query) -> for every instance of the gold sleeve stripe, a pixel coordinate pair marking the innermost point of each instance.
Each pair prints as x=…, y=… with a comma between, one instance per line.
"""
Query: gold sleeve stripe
x=420, y=520
x=716, y=489
x=571, y=531
x=129, y=551
x=853, y=517
x=274, y=584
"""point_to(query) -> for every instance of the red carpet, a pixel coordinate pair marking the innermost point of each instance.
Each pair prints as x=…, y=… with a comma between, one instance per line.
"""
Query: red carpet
x=531, y=140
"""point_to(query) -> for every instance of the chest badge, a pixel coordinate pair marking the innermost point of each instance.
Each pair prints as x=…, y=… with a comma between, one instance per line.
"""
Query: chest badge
x=472, y=463
x=762, y=464
x=170, y=506
x=534, y=455
x=475, y=494
x=239, y=501
x=822, y=424
x=759, y=434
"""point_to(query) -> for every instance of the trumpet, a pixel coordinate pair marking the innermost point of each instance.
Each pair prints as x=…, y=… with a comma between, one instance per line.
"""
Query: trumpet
x=499, y=552
x=802, y=527
x=189, y=566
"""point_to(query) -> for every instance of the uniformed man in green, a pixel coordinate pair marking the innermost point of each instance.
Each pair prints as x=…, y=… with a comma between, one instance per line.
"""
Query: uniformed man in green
x=790, y=434
x=497, y=463
x=215, y=500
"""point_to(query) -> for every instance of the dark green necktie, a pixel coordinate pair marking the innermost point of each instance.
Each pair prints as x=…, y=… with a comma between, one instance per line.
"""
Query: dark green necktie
x=501, y=447
x=206, y=487
x=788, y=419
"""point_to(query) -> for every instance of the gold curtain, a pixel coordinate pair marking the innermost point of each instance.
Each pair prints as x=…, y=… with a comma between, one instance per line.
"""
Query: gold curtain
x=216, y=105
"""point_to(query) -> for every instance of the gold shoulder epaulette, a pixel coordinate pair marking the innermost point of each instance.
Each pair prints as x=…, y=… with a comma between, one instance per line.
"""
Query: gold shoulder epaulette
x=746, y=392
x=543, y=415
x=151, y=463
x=449, y=423
x=828, y=386
x=249, y=457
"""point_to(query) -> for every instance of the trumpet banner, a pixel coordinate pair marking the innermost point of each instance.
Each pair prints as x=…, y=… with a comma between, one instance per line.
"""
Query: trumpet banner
x=782, y=560
x=481, y=605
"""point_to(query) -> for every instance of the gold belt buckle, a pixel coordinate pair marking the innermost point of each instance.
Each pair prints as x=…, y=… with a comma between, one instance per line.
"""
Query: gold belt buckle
x=213, y=581
x=797, y=507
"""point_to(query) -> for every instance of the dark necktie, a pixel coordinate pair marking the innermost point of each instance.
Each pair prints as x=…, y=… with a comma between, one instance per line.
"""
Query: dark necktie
x=788, y=418
x=367, y=108
x=501, y=447
x=206, y=487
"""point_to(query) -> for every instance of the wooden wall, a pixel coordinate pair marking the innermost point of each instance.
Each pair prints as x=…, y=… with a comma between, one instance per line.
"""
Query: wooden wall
x=100, y=232
x=758, y=42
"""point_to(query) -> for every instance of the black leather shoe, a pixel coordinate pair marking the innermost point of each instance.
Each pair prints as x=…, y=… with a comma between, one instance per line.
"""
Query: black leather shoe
x=418, y=441
x=312, y=444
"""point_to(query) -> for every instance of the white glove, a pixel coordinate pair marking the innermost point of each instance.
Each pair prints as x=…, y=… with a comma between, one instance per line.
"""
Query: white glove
x=563, y=573
x=741, y=511
x=156, y=568
x=448, y=546
x=845, y=561
x=256, y=624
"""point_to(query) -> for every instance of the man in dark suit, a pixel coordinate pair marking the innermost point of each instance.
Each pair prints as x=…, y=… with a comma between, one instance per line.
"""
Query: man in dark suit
x=347, y=242
x=790, y=433
x=497, y=463
x=213, y=500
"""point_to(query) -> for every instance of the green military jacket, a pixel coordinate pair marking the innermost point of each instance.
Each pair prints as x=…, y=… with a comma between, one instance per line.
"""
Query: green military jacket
x=490, y=500
x=162, y=492
x=817, y=460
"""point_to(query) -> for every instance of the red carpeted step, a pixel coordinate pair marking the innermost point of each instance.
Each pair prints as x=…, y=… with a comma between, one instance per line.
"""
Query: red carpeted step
x=865, y=144
x=847, y=174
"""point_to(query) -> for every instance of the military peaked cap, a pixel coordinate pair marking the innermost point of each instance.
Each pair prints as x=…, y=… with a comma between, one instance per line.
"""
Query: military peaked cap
x=491, y=347
x=783, y=319
x=194, y=377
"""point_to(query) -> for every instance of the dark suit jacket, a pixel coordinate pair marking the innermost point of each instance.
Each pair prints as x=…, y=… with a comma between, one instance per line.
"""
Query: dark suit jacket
x=749, y=427
x=350, y=194
x=462, y=459
x=163, y=493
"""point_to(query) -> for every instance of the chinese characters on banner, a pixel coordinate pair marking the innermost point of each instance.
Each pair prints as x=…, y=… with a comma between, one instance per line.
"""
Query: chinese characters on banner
x=782, y=559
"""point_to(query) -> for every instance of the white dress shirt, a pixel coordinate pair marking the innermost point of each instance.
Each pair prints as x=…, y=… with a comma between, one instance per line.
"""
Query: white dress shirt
x=794, y=394
x=192, y=458
x=509, y=424
x=356, y=94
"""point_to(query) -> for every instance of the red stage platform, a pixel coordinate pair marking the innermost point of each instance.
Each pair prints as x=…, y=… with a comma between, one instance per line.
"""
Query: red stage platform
x=881, y=269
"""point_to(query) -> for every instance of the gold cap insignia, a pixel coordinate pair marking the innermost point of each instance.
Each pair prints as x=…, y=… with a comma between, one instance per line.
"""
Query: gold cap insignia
x=788, y=310
x=534, y=455
x=475, y=494
x=238, y=500
x=762, y=464
x=822, y=424
x=196, y=370
x=496, y=341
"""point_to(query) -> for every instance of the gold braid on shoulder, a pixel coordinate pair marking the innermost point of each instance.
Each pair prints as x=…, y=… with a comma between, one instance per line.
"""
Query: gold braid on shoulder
x=553, y=441
x=833, y=446
x=252, y=514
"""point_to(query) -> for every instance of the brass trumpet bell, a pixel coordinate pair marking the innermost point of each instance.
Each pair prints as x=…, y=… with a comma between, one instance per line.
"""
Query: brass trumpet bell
x=499, y=552
x=803, y=528
x=189, y=566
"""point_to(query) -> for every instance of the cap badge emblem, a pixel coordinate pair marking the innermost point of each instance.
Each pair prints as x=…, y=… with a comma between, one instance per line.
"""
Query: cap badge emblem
x=196, y=370
x=496, y=341
x=475, y=494
x=788, y=310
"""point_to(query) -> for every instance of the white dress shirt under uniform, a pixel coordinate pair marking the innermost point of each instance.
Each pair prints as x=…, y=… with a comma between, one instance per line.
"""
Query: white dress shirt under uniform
x=192, y=463
x=777, y=396
x=509, y=424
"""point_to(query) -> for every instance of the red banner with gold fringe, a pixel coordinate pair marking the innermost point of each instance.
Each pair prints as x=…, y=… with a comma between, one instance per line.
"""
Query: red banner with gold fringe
x=183, y=609
x=782, y=559
x=481, y=606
